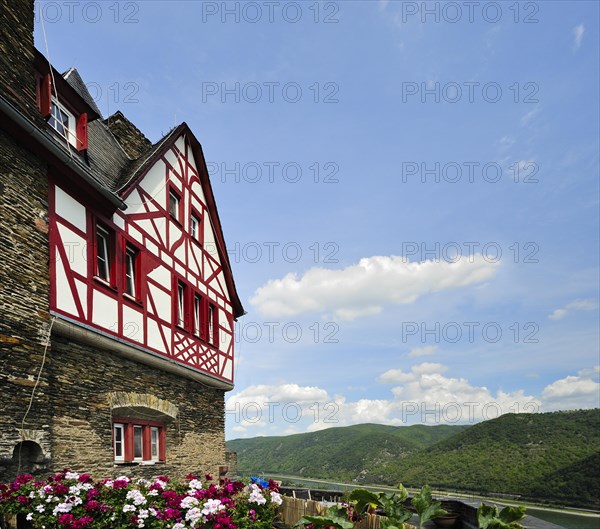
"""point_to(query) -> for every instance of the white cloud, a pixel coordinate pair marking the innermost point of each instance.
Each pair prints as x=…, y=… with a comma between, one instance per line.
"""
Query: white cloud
x=578, y=304
x=528, y=117
x=506, y=142
x=423, y=394
x=365, y=288
x=583, y=304
x=558, y=314
x=573, y=392
x=426, y=350
x=578, y=32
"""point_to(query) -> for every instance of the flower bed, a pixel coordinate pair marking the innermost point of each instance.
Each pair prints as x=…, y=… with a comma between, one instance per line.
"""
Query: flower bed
x=69, y=500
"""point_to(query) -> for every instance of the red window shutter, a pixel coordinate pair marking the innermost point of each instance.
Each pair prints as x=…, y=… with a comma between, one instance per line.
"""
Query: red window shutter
x=46, y=96
x=128, y=442
x=216, y=326
x=82, y=132
x=147, y=444
x=204, y=319
x=162, y=447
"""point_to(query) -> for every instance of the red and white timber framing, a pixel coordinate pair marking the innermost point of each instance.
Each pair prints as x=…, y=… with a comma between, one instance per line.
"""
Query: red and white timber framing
x=168, y=255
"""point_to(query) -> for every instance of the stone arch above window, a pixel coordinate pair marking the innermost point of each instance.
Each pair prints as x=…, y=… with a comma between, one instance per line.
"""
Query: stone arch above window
x=142, y=406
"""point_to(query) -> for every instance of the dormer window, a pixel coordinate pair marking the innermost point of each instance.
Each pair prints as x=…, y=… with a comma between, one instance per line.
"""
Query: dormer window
x=63, y=122
x=69, y=125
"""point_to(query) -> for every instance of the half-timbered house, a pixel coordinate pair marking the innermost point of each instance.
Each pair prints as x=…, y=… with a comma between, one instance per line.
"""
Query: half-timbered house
x=117, y=297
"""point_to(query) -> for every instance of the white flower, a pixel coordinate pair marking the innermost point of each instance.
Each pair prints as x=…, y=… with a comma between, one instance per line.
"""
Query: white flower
x=212, y=506
x=193, y=516
x=75, y=489
x=29, y=517
x=32, y=494
x=142, y=513
x=256, y=495
x=71, y=475
x=152, y=492
x=137, y=497
x=142, y=481
x=62, y=507
x=160, y=483
x=178, y=526
x=188, y=502
x=195, y=484
x=40, y=508
x=128, y=508
x=276, y=498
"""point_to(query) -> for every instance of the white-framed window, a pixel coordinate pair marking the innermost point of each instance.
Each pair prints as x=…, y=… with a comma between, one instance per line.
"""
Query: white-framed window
x=138, y=443
x=63, y=122
x=197, y=314
x=195, y=226
x=131, y=254
x=180, y=304
x=211, y=324
x=154, y=443
x=174, y=201
x=119, y=441
x=103, y=257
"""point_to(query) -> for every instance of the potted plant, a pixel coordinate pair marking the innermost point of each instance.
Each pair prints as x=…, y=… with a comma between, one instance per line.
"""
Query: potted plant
x=336, y=517
x=391, y=505
x=426, y=508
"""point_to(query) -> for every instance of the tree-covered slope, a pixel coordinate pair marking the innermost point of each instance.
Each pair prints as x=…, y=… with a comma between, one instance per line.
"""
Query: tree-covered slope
x=548, y=455
x=340, y=453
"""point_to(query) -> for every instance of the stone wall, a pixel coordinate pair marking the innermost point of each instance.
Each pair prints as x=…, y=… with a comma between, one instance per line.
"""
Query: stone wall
x=24, y=318
x=87, y=385
x=17, y=80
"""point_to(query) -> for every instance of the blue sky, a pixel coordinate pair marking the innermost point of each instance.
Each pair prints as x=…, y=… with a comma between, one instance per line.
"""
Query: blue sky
x=408, y=191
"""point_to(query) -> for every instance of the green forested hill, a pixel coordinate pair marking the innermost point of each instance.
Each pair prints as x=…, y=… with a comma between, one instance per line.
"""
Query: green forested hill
x=342, y=453
x=553, y=456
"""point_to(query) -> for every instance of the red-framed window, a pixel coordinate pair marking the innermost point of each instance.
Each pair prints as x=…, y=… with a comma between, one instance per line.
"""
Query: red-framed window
x=104, y=253
x=181, y=304
x=196, y=228
x=137, y=440
x=69, y=125
x=174, y=204
x=213, y=325
x=198, y=312
x=131, y=271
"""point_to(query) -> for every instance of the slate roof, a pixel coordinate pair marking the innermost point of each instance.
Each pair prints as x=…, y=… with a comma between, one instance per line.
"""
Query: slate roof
x=74, y=79
x=106, y=160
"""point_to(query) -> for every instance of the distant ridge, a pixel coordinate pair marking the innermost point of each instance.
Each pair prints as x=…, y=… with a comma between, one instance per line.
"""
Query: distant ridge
x=551, y=456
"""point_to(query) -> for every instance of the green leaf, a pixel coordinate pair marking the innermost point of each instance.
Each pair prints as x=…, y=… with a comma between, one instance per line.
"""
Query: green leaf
x=364, y=499
x=512, y=514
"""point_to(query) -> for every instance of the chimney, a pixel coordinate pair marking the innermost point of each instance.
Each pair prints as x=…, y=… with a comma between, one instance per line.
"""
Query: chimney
x=132, y=140
x=17, y=77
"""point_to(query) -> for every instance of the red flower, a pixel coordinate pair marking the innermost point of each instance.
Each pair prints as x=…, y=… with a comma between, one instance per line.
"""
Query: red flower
x=22, y=499
x=66, y=519
x=60, y=488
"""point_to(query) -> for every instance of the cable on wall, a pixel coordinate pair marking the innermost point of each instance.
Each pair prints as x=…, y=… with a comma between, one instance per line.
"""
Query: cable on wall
x=37, y=382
